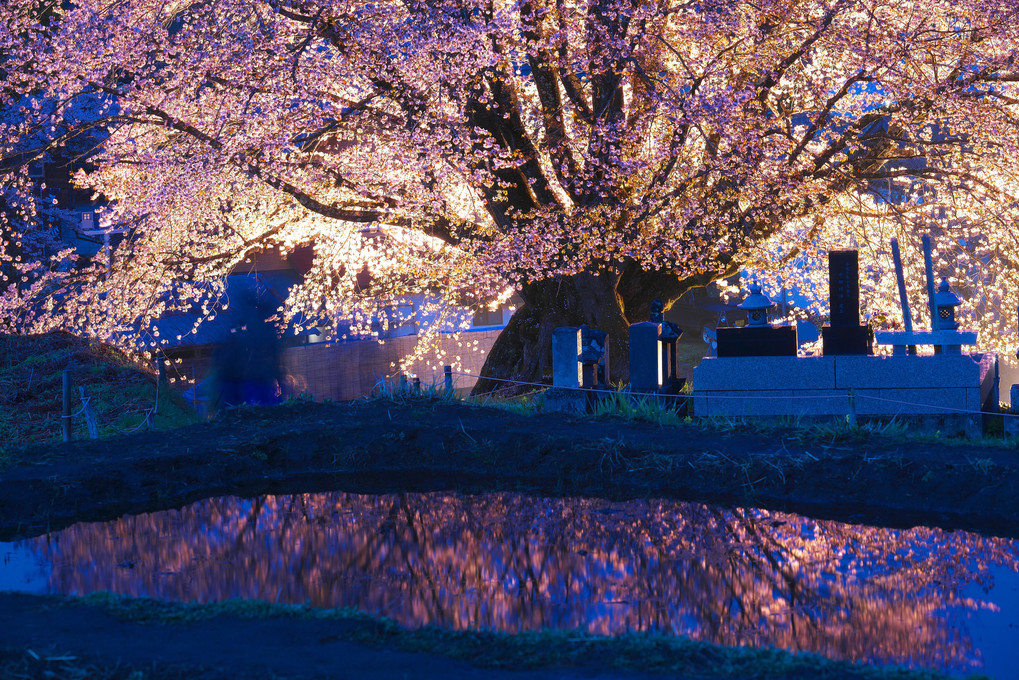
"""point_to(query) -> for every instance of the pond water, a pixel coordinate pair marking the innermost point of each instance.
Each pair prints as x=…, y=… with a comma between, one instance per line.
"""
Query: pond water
x=921, y=597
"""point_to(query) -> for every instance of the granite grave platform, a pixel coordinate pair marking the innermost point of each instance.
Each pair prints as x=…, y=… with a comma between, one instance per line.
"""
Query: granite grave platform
x=947, y=388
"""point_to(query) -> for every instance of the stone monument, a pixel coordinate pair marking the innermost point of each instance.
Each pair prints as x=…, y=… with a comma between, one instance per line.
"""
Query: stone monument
x=844, y=334
x=949, y=391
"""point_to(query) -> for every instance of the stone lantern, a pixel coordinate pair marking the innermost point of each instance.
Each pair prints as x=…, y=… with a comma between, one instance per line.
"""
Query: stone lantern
x=758, y=338
x=668, y=336
x=946, y=301
x=657, y=311
x=756, y=305
x=670, y=355
x=589, y=361
x=596, y=341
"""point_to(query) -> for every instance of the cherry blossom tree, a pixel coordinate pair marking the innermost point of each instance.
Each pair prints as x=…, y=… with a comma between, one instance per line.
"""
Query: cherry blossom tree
x=591, y=154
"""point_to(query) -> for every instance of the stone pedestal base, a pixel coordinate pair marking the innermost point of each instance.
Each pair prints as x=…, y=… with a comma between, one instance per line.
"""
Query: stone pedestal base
x=951, y=390
x=756, y=341
x=555, y=400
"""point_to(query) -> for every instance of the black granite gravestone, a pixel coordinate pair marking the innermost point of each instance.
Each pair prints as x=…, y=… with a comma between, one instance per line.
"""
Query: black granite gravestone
x=844, y=335
x=844, y=288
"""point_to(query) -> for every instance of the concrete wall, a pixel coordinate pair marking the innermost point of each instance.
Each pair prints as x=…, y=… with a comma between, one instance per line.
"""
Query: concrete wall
x=349, y=370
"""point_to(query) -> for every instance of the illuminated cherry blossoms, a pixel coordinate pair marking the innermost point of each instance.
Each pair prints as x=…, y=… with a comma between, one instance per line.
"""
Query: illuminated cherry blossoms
x=592, y=154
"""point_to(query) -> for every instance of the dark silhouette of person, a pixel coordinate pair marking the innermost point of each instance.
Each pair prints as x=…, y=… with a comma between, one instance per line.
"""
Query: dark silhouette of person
x=247, y=365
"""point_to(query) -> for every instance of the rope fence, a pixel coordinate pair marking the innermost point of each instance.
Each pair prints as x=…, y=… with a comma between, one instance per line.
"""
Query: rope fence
x=79, y=411
x=849, y=397
x=91, y=420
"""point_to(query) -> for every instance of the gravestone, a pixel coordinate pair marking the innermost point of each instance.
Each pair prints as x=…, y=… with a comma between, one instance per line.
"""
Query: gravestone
x=566, y=349
x=645, y=357
x=844, y=288
x=844, y=334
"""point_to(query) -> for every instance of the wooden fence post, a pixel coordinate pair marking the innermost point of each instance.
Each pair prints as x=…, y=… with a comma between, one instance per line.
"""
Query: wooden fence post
x=90, y=415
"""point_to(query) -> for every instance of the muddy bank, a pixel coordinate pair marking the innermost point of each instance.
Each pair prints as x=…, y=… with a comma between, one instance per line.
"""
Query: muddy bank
x=123, y=639
x=429, y=445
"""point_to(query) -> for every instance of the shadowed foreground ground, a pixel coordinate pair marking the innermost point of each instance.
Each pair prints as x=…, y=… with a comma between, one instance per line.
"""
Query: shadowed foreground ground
x=228, y=646
x=432, y=445
x=108, y=637
x=429, y=445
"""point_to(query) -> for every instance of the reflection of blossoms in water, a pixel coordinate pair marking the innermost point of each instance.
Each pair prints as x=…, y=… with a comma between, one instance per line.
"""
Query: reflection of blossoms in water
x=507, y=562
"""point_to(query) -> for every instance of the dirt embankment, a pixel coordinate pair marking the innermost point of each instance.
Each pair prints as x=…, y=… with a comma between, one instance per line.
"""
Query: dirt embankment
x=434, y=445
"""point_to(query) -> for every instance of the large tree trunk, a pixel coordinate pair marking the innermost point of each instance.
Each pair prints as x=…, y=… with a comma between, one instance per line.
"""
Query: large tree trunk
x=523, y=351
x=609, y=302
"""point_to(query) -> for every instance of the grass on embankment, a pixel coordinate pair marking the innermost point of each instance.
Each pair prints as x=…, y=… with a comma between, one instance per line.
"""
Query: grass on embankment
x=120, y=393
x=619, y=404
x=548, y=649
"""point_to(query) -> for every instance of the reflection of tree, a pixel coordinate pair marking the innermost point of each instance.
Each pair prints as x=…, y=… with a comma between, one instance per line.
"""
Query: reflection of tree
x=510, y=563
